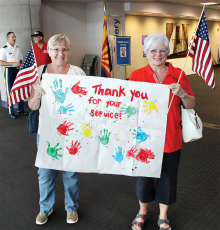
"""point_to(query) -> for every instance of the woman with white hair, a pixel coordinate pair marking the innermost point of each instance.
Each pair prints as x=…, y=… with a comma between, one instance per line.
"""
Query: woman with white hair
x=59, y=50
x=163, y=189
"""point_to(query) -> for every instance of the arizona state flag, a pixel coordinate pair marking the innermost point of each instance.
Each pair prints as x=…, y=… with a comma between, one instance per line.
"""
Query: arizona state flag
x=106, y=57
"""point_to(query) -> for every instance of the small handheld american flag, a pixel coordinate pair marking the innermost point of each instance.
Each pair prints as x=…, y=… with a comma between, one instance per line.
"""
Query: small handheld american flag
x=201, y=53
x=26, y=77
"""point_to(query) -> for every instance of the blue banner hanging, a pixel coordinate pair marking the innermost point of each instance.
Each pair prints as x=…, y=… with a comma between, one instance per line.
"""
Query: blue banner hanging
x=123, y=50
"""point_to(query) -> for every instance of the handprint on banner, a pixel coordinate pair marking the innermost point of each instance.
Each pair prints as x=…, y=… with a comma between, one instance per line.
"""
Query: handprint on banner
x=104, y=136
x=74, y=148
x=76, y=89
x=129, y=111
x=140, y=135
x=87, y=131
x=64, y=128
x=144, y=154
x=66, y=109
x=150, y=105
x=53, y=151
x=131, y=153
x=119, y=155
x=60, y=96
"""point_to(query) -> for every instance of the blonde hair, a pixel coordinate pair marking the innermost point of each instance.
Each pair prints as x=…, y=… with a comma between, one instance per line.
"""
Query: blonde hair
x=56, y=39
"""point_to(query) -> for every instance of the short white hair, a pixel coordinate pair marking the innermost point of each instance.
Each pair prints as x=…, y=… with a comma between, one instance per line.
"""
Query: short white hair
x=156, y=39
x=56, y=39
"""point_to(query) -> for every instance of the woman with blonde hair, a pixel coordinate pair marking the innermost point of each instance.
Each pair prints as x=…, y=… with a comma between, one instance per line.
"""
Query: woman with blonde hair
x=59, y=50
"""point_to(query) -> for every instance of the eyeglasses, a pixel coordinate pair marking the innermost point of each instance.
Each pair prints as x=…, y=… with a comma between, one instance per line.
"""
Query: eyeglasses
x=154, y=52
x=56, y=50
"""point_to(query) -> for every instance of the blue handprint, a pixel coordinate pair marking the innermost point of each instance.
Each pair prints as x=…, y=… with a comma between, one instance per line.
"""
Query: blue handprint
x=60, y=96
x=140, y=135
x=66, y=109
x=119, y=156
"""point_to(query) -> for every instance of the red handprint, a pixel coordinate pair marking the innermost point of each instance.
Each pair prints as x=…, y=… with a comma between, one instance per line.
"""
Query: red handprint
x=131, y=152
x=76, y=89
x=74, y=148
x=144, y=154
x=64, y=128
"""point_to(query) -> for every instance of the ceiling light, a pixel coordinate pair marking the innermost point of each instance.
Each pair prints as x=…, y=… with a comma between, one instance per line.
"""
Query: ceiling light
x=208, y=3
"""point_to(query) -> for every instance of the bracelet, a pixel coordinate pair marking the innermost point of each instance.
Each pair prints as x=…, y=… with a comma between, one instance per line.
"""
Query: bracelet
x=184, y=96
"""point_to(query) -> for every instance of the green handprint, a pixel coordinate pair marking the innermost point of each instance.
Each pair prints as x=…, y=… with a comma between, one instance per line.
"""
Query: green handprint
x=104, y=136
x=53, y=151
x=129, y=111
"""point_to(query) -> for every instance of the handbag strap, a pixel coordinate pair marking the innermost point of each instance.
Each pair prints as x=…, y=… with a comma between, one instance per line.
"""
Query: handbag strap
x=44, y=70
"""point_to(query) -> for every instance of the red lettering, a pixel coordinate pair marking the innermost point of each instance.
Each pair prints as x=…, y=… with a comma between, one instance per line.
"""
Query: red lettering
x=121, y=91
x=132, y=94
x=98, y=89
x=96, y=113
x=137, y=94
x=92, y=113
x=144, y=97
x=108, y=91
x=115, y=91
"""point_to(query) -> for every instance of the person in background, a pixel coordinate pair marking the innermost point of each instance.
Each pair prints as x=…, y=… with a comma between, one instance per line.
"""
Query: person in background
x=40, y=49
x=163, y=189
x=11, y=59
x=59, y=50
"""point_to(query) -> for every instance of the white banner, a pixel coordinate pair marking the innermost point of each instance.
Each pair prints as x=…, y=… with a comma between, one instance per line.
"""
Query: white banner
x=93, y=124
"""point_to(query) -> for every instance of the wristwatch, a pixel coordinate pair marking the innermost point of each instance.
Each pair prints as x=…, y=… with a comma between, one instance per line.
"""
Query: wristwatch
x=184, y=96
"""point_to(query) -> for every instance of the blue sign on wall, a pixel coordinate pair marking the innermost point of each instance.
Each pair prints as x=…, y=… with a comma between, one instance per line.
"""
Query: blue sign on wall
x=123, y=50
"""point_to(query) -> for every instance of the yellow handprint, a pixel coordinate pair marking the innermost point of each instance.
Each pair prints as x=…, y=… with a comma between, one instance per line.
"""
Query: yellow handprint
x=87, y=131
x=150, y=106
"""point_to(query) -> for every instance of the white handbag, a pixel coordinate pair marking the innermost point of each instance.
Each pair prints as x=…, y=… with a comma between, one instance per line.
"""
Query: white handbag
x=191, y=125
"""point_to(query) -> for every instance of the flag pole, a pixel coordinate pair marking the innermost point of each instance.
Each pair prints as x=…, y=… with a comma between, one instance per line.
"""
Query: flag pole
x=190, y=45
x=35, y=62
x=104, y=10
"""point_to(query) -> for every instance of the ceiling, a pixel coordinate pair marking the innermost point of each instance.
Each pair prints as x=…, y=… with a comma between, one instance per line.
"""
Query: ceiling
x=184, y=2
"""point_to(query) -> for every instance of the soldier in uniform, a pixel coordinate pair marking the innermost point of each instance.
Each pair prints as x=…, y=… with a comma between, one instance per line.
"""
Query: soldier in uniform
x=11, y=59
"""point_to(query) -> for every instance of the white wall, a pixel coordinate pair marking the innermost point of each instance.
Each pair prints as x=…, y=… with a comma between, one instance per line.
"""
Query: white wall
x=136, y=26
x=83, y=24
x=69, y=19
x=21, y=17
x=95, y=19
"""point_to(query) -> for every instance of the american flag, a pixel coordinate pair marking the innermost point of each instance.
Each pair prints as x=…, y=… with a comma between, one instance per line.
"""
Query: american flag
x=201, y=53
x=26, y=77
